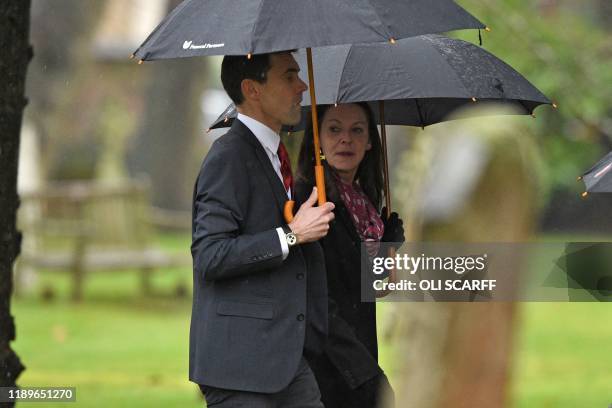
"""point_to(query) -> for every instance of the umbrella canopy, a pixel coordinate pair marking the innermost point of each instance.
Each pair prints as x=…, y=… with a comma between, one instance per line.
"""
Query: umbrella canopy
x=226, y=118
x=598, y=179
x=241, y=27
x=422, y=80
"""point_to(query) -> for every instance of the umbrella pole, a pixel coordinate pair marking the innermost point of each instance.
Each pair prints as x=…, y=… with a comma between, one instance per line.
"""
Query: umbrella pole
x=318, y=169
x=383, y=135
x=319, y=177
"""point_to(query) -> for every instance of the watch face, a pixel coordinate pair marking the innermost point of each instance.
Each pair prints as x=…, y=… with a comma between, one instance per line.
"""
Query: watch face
x=291, y=239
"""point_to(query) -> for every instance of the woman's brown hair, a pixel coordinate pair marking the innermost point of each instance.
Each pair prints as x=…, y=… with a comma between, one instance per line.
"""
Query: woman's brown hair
x=370, y=171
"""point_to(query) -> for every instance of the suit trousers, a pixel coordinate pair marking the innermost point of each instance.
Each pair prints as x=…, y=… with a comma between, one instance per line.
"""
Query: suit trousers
x=302, y=392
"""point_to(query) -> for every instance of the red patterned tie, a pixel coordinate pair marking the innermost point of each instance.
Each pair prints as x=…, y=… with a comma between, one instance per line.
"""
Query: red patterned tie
x=283, y=155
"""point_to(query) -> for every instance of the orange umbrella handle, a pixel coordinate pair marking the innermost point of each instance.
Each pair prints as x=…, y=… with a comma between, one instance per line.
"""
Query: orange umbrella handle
x=320, y=181
x=321, y=197
x=288, y=211
x=318, y=169
x=319, y=177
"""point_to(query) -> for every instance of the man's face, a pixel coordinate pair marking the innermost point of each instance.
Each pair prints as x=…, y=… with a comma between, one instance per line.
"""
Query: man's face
x=281, y=95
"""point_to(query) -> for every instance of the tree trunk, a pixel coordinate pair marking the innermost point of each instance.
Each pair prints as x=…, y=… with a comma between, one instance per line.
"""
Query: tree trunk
x=605, y=13
x=59, y=82
x=164, y=145
x=16, y=54
x=459, y=354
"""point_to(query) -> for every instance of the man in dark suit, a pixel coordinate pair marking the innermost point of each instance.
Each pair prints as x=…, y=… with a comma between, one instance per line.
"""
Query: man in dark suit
x=260, y=294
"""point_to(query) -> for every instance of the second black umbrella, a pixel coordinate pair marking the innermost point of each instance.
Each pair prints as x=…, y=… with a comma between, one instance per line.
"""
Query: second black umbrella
x=422, y=80
x=598, y=179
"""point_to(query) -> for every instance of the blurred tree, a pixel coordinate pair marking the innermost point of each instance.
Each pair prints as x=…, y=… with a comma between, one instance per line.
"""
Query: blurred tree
x=59, y=82
x=559, y=47
x=164, y=144
x=605, y=13
x=16, y=54
x=460, y=354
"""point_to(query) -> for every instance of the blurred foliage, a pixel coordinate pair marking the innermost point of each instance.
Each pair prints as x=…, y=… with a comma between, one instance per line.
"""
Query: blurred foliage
x=565, y=50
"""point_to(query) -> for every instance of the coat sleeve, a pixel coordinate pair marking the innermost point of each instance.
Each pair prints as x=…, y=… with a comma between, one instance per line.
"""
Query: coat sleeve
x=221, y=201
x=347, y=353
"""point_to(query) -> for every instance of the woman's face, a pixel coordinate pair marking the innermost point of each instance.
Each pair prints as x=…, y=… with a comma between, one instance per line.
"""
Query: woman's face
x=345, y=139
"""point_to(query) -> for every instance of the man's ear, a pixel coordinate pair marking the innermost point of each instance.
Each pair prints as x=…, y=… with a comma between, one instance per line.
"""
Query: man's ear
x=249, y=89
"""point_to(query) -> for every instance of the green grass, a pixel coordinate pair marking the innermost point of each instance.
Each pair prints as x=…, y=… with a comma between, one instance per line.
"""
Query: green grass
x=122, y=349
x=123, y=355
x=117, y=347
x=564, y=356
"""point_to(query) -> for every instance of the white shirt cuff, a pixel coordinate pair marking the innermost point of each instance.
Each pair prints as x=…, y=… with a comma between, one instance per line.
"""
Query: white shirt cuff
x=283, y=242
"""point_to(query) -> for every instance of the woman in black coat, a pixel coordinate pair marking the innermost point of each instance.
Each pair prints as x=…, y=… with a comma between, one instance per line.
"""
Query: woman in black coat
x=348, y=373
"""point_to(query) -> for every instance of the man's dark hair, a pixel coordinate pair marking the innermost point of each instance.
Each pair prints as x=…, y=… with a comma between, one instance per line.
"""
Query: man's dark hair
x=236, y=68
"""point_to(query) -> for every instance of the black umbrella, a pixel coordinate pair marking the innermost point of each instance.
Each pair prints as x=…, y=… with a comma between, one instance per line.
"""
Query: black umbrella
x=598, y=179
x=422, y=80
x=416, y=81
x=226, y=118
x=242, y=27
x=245, y=27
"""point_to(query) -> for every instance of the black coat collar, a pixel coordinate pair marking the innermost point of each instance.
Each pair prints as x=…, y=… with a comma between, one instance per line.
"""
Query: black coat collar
x=344, y=217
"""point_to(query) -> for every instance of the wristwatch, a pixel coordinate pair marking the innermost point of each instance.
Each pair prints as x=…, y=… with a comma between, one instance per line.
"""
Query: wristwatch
x=290, y=237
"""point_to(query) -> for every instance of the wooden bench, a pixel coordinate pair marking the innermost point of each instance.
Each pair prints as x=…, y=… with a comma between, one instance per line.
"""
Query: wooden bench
x=83, y=227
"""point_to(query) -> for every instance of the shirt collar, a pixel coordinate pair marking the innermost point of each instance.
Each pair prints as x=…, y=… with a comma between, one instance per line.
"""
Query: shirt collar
x=266, y=136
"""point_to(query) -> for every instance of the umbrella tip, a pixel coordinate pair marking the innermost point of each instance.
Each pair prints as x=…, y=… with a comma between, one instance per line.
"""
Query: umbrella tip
x=583, y=195
x=249, y=55
x=488, y=29
x=579, y=178
x=392, y=40
x=473, y=99
x=208, y=130
x=140, y=62
x=554, y=105
x=132, y=56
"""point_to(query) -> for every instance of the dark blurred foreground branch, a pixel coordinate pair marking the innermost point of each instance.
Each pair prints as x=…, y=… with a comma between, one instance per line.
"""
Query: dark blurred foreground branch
x=15, y=56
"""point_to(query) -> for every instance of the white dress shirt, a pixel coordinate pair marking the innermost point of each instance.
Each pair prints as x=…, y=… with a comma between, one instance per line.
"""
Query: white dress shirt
x=270, y=140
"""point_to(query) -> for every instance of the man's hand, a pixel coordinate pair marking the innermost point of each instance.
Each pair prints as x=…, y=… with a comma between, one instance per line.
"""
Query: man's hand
x=312, y=223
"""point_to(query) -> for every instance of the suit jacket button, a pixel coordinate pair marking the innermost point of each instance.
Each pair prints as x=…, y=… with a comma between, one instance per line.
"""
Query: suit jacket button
x=300, y=276
x=300, y=317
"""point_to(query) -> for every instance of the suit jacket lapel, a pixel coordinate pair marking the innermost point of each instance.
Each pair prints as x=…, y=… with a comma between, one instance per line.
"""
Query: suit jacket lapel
x=275, y=183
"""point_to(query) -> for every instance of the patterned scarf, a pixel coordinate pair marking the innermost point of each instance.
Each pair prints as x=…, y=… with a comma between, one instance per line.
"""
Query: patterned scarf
x=365, y=218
